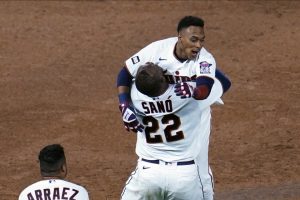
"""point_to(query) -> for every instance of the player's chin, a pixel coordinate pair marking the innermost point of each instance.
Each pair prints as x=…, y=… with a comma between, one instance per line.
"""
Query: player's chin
x=192, y=56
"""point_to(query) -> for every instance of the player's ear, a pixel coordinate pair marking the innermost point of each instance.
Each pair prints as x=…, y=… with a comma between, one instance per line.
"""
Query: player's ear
x=64, y=170
x=179, y=35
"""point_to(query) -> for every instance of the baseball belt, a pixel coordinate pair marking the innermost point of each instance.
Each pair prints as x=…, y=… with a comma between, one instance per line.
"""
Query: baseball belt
x=190, y=162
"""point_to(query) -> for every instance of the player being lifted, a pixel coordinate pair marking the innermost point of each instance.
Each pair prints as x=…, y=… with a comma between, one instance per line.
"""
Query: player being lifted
x=176, y=133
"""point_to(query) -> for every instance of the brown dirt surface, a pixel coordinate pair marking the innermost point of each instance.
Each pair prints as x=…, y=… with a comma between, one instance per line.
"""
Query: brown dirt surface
x=58, y=66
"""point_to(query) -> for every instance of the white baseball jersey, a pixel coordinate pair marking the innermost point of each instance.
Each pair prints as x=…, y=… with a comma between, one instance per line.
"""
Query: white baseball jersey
x=175, y=129
x=54, y=189
x=162, y=53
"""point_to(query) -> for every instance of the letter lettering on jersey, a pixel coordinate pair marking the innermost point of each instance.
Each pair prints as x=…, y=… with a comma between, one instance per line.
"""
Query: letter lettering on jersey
x=152, y=107
x=146, y=109
x=47, y=194
x=177, y=79
x=38, y=194
x=56, y=194
x=169, y=105
x=30, y=197
x=64, y=193
x=74, y=194
x=160, y=106
x=157, y=107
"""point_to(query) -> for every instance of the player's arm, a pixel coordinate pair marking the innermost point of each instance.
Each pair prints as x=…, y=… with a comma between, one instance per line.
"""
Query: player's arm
x=225, y=81
x=124, y=82
x=199, y=92
x=205, y=72
x=203, y=87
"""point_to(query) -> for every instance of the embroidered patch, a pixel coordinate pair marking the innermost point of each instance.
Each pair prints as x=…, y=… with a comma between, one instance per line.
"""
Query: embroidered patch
x=135, y=60
x=205, y=67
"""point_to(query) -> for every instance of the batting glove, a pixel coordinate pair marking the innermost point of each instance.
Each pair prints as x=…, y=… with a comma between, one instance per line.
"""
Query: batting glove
x=130, y=120
x=184, y=90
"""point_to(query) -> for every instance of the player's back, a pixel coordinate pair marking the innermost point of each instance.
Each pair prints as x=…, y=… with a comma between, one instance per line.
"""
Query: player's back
x=175, y=128
x=53, y=189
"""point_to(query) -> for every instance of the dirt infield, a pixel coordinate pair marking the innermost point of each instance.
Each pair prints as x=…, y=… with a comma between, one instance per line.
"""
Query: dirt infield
x=58, y=66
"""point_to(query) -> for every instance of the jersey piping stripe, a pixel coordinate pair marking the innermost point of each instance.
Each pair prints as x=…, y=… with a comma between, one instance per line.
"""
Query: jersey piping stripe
x=128, y=181
x=202, y=187
x=211, y=179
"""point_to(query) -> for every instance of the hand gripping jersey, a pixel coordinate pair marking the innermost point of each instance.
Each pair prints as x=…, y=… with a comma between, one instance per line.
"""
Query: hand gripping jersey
x=54, y=189
x=162, y=53
x=175, y=129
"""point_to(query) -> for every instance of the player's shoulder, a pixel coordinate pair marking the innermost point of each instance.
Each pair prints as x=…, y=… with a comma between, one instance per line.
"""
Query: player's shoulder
x=73, y=184
x=137, y=96
x=163, y=43
x=205, y=54
x=31, y=187
x=53, y=182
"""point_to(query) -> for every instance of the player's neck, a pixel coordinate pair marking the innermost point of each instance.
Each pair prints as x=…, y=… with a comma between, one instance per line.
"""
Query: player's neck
x=60, y=175
x=178, y=53
x=51, y=177
x=163, y=89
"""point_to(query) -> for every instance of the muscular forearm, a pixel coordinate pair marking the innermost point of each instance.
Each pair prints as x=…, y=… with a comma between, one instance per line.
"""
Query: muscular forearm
x=124, y=82
x=130, y=120
x=123, y=94
x=123, y=89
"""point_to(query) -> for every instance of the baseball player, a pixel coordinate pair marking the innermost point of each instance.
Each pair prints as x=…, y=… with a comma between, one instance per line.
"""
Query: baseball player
x=53, y=170
x=176, y=131
x=183, y=59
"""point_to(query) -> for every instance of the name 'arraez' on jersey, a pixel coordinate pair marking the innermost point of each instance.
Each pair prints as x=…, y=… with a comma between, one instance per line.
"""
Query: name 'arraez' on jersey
x=57, y=193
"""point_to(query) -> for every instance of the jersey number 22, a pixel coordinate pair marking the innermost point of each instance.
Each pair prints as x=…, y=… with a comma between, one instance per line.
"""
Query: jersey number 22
x=152, y=126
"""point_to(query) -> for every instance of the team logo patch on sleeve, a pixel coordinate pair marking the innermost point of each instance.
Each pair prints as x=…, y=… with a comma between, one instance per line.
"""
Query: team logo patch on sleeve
x=135, y=60
x=205, y=67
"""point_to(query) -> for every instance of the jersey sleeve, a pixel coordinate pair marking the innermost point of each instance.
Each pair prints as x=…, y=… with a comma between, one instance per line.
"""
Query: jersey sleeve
x=83, y=194
x=22, y=196
x=140, y=58
x=206, y=64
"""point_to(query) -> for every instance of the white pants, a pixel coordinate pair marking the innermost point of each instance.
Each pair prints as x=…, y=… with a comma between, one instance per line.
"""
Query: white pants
x=164, y=182
x=207, y=182
x=205, y=174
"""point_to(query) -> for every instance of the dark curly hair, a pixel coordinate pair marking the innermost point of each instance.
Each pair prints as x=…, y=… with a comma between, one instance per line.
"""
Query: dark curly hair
x=51, y=158
x=189, y=21
x=150, y=80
